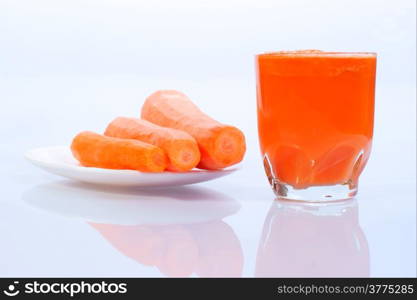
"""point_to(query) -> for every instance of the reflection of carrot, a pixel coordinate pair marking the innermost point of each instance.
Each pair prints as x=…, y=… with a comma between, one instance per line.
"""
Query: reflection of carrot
x=181, y=148
x=220, y=252
x=141, y=243
x=96, y=150
x=220, y=145
x=181, y=253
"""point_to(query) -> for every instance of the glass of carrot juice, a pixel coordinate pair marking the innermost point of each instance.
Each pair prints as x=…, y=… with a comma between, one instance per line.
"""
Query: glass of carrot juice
x=315, y=121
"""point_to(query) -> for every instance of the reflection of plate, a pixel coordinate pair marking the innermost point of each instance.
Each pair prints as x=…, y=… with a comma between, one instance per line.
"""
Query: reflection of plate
x=130, y=206
x=59, y=160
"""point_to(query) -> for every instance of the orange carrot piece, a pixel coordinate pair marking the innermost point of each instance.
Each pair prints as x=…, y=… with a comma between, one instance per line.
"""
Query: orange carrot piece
x=220, y=145
x=180, y=147
x=96, y=150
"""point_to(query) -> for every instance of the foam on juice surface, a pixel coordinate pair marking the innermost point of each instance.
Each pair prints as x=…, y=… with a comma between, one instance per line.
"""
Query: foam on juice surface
x=317, y=53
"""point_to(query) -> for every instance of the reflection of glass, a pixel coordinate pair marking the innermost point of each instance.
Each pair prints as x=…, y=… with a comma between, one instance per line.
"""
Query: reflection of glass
x=315, y=121
x=312, y=240
x=178, y=230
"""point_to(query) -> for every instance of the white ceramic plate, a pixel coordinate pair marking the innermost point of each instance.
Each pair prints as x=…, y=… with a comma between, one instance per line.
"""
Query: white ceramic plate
x=59, y=160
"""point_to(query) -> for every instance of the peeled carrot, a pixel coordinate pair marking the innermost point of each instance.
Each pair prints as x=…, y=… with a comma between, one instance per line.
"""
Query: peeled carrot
x=180, y=147
x=220, y=145
x=96, y=150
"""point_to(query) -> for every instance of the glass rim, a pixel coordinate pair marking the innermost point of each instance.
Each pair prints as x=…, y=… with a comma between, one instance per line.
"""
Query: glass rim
x=316, y=53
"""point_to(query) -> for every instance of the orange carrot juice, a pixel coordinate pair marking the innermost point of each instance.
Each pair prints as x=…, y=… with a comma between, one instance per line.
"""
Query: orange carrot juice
x=315, y=121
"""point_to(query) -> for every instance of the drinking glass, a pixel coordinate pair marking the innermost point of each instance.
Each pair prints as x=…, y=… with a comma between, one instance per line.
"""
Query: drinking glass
x=315, y=121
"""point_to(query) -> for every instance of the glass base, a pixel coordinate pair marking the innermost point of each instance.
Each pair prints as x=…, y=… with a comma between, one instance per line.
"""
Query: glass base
x=314, y=193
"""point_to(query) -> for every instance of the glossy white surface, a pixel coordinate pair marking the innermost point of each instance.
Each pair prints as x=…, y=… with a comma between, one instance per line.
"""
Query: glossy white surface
x=70, y=66
x=60, y=161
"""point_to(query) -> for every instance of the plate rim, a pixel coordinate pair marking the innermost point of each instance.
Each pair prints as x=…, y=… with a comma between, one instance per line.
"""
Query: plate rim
x=29, y=155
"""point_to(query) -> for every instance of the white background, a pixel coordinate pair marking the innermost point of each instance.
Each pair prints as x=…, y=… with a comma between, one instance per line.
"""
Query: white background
x=67, y=66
